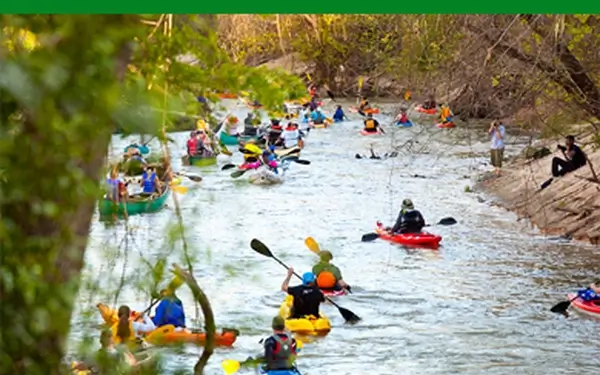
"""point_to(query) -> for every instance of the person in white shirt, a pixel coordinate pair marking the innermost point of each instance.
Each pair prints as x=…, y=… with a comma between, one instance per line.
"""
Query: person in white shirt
x=497, y=133
x=291, y=136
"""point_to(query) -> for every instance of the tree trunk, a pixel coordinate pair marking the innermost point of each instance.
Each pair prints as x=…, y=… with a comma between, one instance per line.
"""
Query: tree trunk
x=48, y=200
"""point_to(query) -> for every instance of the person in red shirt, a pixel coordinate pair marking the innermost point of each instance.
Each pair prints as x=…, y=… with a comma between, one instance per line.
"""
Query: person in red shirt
x=192, y=144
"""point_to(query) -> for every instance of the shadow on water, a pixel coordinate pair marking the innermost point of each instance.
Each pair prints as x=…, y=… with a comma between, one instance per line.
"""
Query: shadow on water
x=479, y=305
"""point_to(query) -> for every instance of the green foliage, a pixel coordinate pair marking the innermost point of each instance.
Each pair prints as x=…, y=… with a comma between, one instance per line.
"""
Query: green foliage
x=59, y=104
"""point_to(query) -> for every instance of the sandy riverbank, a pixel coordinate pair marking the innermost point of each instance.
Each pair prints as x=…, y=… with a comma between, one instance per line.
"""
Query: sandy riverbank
x=569, y=207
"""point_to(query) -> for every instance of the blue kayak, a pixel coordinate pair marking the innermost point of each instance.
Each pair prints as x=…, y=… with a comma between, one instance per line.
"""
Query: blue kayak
x=404, y=124
x=262, y=371
x=143, y=148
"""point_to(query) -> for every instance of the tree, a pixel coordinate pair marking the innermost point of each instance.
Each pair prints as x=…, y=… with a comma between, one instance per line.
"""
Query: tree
x=59, y=104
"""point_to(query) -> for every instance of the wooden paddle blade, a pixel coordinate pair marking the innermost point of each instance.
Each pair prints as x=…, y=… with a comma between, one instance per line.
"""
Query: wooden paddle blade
x=230, y=366
x=447, y=221
x=348, y=315
x=238, y=173
x=293, y=151
x=303, y=162
x=261, y=248
x=369, y=237
x=227, y=166
x=312, y=245
x=561, y=307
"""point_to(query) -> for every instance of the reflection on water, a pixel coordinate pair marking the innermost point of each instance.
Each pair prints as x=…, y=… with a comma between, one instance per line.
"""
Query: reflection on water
x=479, y=305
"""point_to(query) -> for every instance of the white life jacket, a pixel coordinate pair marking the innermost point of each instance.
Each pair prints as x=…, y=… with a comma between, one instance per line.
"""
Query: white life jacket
x=290, y=138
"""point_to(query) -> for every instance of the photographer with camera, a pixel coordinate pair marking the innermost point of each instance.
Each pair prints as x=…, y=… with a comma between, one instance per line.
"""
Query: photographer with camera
x=497, y=133
x=574, y=159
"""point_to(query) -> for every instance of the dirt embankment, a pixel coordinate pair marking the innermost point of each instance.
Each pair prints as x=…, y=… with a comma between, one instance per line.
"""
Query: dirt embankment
x=569, y=207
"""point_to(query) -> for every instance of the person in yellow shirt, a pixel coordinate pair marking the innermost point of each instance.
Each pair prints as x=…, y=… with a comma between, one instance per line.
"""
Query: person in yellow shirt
x=446, y=114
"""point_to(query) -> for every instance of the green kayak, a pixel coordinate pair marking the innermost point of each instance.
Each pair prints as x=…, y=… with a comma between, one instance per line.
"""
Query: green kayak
x=228, y=140
x=200, y=161
x=135, y=205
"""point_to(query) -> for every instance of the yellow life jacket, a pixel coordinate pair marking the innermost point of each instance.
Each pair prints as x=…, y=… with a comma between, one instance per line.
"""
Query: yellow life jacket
x=370, y=124
x=116, y=337
x=201, y=125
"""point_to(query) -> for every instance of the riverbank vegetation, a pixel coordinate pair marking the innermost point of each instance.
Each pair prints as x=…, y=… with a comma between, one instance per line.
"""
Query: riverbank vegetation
x=538, y=70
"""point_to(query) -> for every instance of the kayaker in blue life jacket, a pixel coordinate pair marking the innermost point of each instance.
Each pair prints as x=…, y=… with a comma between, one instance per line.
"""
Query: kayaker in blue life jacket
x=339, y=114
x=150, y=182
x=170, y=309
x=317, y=117
x=280, y=348
x=409, y=220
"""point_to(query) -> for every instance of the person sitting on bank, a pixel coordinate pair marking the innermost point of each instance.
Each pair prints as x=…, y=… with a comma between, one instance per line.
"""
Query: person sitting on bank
x=574, y=159
x=329, y=276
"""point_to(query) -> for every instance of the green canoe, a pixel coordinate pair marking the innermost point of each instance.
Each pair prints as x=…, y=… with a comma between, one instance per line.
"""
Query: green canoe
x=134, y=206
x=199, y=161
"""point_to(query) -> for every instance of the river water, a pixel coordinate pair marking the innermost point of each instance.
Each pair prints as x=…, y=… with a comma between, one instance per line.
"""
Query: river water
x=479, y=305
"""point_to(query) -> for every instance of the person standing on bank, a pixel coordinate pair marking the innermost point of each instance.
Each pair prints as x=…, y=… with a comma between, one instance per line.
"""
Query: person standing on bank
x=497, y=133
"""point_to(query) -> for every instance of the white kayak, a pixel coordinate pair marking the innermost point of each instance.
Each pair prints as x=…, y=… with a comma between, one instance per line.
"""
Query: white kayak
x=265, y=176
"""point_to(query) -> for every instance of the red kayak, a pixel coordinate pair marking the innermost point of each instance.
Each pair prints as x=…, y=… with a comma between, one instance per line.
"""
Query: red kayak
x=431, y=111
x=587, y=307
x=364, y=132
x=333, y=293
x=422, y=239
x=446, y=125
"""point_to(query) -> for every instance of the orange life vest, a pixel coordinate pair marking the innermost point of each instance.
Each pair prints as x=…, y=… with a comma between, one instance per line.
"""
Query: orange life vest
x=370, y=124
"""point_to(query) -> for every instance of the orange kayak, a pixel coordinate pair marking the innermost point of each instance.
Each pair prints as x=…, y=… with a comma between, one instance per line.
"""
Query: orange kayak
x=372, y=111
x=168, y=335
x=431, y=111
x=227, y=95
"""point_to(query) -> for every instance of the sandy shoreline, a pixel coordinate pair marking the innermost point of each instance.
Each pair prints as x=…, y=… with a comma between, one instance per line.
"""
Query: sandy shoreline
x=569, y=207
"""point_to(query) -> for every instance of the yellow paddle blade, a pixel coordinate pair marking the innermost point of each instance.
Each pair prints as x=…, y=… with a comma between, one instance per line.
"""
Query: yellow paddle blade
x=360, y=82
x=308, y=76
x=230, y=366
x=179, y=189
x=312, y=245
x=299, y=344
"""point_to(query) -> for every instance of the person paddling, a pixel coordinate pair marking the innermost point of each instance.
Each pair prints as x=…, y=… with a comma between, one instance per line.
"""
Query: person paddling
x=446, y=114
x=150, y=182
x=329, y=277
x=307, y=297
x=372, y=125
x=170, y=309
x=409, y=220
x=126, y=331
x=280, y=348
x=339, y=114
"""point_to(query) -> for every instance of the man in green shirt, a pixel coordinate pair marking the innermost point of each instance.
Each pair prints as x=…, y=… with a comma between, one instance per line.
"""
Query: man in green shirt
x=329, y=277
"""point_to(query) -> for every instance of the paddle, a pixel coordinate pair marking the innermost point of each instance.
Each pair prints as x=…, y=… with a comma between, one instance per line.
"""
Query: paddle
x=231, y=366
x=193, y=177
x=561, y=307
x=262, y=249
x=238, y=173
x=313, y=246
x=179, y=189
x=373, y=236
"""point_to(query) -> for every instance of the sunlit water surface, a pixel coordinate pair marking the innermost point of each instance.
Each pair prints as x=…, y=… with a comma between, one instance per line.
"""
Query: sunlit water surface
x=479, y=305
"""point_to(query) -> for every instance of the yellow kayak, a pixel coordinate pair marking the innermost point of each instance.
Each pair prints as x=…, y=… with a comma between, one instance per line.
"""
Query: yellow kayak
x=328, y=122
x=309, y=325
